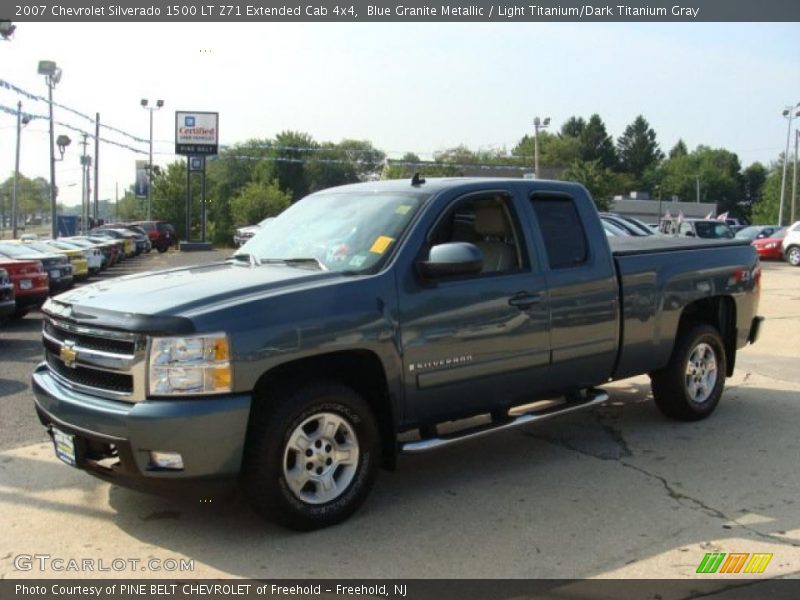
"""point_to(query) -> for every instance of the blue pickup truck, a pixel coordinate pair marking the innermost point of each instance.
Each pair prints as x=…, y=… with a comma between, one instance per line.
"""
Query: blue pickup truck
x=355, y=324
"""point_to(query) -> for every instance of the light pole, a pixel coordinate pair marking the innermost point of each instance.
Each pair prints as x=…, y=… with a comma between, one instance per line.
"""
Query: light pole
x=52, y=75
x=537, y=125
x=159, y=104
x=794, y=172
x=20, y=122
x=789, y=113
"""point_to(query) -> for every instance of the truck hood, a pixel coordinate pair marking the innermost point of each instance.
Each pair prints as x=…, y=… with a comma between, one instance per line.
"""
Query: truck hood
x=163, y=301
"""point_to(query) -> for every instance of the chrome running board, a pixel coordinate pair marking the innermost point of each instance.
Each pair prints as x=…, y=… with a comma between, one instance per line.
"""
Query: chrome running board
x=593, y=398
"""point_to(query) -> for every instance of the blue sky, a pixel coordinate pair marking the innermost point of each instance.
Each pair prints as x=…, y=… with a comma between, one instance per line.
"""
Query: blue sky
x=406, y=87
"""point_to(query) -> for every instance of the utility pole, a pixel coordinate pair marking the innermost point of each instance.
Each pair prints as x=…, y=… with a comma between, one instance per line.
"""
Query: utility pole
x=116, y=201
x=84, y=181
x=96, y=164
x=697, y=179
x=789, y=114
x=20, y=123
x=794, y=173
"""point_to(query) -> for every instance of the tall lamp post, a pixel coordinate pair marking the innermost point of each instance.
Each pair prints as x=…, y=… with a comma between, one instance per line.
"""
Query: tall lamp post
x=789, y=113
x=21, y=120
x=145, y=104
x=537, y=125
x=794, y=173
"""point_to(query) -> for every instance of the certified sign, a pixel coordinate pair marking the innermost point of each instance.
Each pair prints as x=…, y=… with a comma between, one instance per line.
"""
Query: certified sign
x=196, y=133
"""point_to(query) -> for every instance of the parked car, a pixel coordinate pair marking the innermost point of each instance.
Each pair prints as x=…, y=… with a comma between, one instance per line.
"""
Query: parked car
x=31, y=284
x=790, y=246
x=140, y=239
x=80, y=266
x=162, y=234
x=98, y=249
x=769, y=248
x=57, y=266
x=243, y=234
x=93, y=255
x=7, y=303
x=114, y=247
x=629, y=225
x=129, y=240
x=705, y=228
x=387, y=308
x=756, y=232
x=612, y=229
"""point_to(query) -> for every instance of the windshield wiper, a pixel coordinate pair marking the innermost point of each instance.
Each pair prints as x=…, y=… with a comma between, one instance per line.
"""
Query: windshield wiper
x=297, y=261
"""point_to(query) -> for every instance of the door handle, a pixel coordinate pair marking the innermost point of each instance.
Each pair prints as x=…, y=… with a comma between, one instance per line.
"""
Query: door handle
x=524, y=300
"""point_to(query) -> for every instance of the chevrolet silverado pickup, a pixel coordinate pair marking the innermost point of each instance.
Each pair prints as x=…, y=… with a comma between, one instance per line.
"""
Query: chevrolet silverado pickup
x=362, y=319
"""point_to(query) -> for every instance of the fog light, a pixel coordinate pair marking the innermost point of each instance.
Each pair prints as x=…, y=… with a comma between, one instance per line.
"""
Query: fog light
x=166, y=460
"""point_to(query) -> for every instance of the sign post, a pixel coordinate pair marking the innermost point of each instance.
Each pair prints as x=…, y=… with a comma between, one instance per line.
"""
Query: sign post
x=196, y=136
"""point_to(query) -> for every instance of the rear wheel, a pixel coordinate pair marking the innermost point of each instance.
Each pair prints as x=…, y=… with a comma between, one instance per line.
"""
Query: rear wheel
x=690, y=386
x=793, y=255
x=163, y=249
x=312, y=455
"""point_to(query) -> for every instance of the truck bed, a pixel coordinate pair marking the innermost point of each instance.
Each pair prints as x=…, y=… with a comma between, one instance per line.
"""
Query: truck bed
x=626, y=246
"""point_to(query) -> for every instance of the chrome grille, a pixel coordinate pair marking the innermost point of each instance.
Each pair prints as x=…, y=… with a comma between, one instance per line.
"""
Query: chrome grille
x=103, y=362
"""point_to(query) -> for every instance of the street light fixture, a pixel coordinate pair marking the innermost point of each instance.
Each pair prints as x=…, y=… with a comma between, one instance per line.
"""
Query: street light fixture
x=52, y=75
x=145, y=104
x=537, y=125
x=7, y=30
x=789, y=113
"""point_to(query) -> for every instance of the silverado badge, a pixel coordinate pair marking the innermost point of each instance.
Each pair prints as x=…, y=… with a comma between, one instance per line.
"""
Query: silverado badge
x=68, y=354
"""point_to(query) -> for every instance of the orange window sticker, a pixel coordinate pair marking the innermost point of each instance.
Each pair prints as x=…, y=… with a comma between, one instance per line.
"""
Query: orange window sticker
x=381, y=244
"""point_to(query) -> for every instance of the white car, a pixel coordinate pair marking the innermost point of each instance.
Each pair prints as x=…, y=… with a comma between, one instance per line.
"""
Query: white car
x=791, y=245
x=93, y=256
x=243, y=234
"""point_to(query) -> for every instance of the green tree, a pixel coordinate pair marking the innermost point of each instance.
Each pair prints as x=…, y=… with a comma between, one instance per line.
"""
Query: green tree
x=766, y=209
x=601, y=182
x=679, y=149
x=754, y=178
x=638, y=148
x=257, y=201
x=596, y=144
x=573, y=127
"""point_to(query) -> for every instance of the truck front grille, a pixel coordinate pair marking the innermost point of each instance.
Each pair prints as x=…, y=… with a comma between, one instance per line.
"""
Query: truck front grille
x=97, y=361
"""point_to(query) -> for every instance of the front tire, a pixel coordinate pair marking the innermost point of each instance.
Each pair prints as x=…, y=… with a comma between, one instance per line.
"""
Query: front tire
x=793, y=256
x=312, y=455
x=690, y=386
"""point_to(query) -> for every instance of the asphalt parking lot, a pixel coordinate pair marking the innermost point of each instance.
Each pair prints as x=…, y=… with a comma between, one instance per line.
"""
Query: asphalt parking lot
x=617, y=492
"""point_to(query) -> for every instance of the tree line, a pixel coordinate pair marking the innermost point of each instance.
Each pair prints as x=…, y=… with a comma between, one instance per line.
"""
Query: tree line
x=260, y=177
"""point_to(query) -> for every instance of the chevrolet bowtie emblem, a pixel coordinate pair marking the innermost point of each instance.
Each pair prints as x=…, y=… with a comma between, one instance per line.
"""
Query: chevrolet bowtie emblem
x=68, y=354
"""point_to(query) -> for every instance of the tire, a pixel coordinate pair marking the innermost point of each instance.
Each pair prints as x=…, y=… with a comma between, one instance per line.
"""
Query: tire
x=793, y=255
x=283, y=482
x=690, y=386
x=162, y=249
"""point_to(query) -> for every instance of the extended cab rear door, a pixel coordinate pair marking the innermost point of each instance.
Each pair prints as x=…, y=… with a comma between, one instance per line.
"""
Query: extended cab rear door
x=582, y=284
x=475, y=342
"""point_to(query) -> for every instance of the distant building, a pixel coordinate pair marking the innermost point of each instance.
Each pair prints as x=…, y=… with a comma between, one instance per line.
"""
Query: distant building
x=641, y=206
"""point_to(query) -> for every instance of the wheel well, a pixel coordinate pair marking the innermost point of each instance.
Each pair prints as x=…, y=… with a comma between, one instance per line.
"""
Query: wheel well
x=361, y=370
x=719, y=312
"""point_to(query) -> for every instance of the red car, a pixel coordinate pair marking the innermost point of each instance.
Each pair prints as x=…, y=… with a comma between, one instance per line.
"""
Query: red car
x=770, y=247
x=31, y=283
x=7, y=304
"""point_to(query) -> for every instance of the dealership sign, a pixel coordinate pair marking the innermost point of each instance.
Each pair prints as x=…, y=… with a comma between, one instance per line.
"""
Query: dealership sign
x=196, y=133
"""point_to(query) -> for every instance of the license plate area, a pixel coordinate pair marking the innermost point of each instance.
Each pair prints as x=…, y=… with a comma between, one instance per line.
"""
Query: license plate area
x=64, y=445
x=25, y=284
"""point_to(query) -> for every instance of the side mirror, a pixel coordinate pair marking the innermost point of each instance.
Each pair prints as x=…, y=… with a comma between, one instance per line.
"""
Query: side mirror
x=455, y=258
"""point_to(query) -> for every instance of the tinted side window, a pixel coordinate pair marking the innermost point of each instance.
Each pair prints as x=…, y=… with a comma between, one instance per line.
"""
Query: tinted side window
x=562, y=231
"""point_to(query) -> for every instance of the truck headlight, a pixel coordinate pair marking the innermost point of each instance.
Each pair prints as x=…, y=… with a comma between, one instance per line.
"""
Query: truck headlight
x=198, y=364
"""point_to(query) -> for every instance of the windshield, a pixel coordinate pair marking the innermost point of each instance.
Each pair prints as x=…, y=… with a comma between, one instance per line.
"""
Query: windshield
x=344, y=231
x=713, y=229
x=748, y=233
x=14, y=251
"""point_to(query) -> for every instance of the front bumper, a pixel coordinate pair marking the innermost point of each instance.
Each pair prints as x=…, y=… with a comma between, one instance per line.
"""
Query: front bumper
x=113, y=439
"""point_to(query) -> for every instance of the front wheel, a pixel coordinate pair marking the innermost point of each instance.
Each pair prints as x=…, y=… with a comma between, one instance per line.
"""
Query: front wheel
x=312, y=455
x=690, y=386
x=793, y=256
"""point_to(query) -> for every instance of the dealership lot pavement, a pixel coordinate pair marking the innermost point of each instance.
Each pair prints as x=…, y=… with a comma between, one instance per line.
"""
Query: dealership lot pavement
x=618, y=492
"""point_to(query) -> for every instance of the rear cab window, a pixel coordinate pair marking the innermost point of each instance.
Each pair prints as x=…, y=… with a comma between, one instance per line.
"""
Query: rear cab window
x=562, y=231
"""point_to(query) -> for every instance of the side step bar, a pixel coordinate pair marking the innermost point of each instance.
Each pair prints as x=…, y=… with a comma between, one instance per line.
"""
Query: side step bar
x=593, y=398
